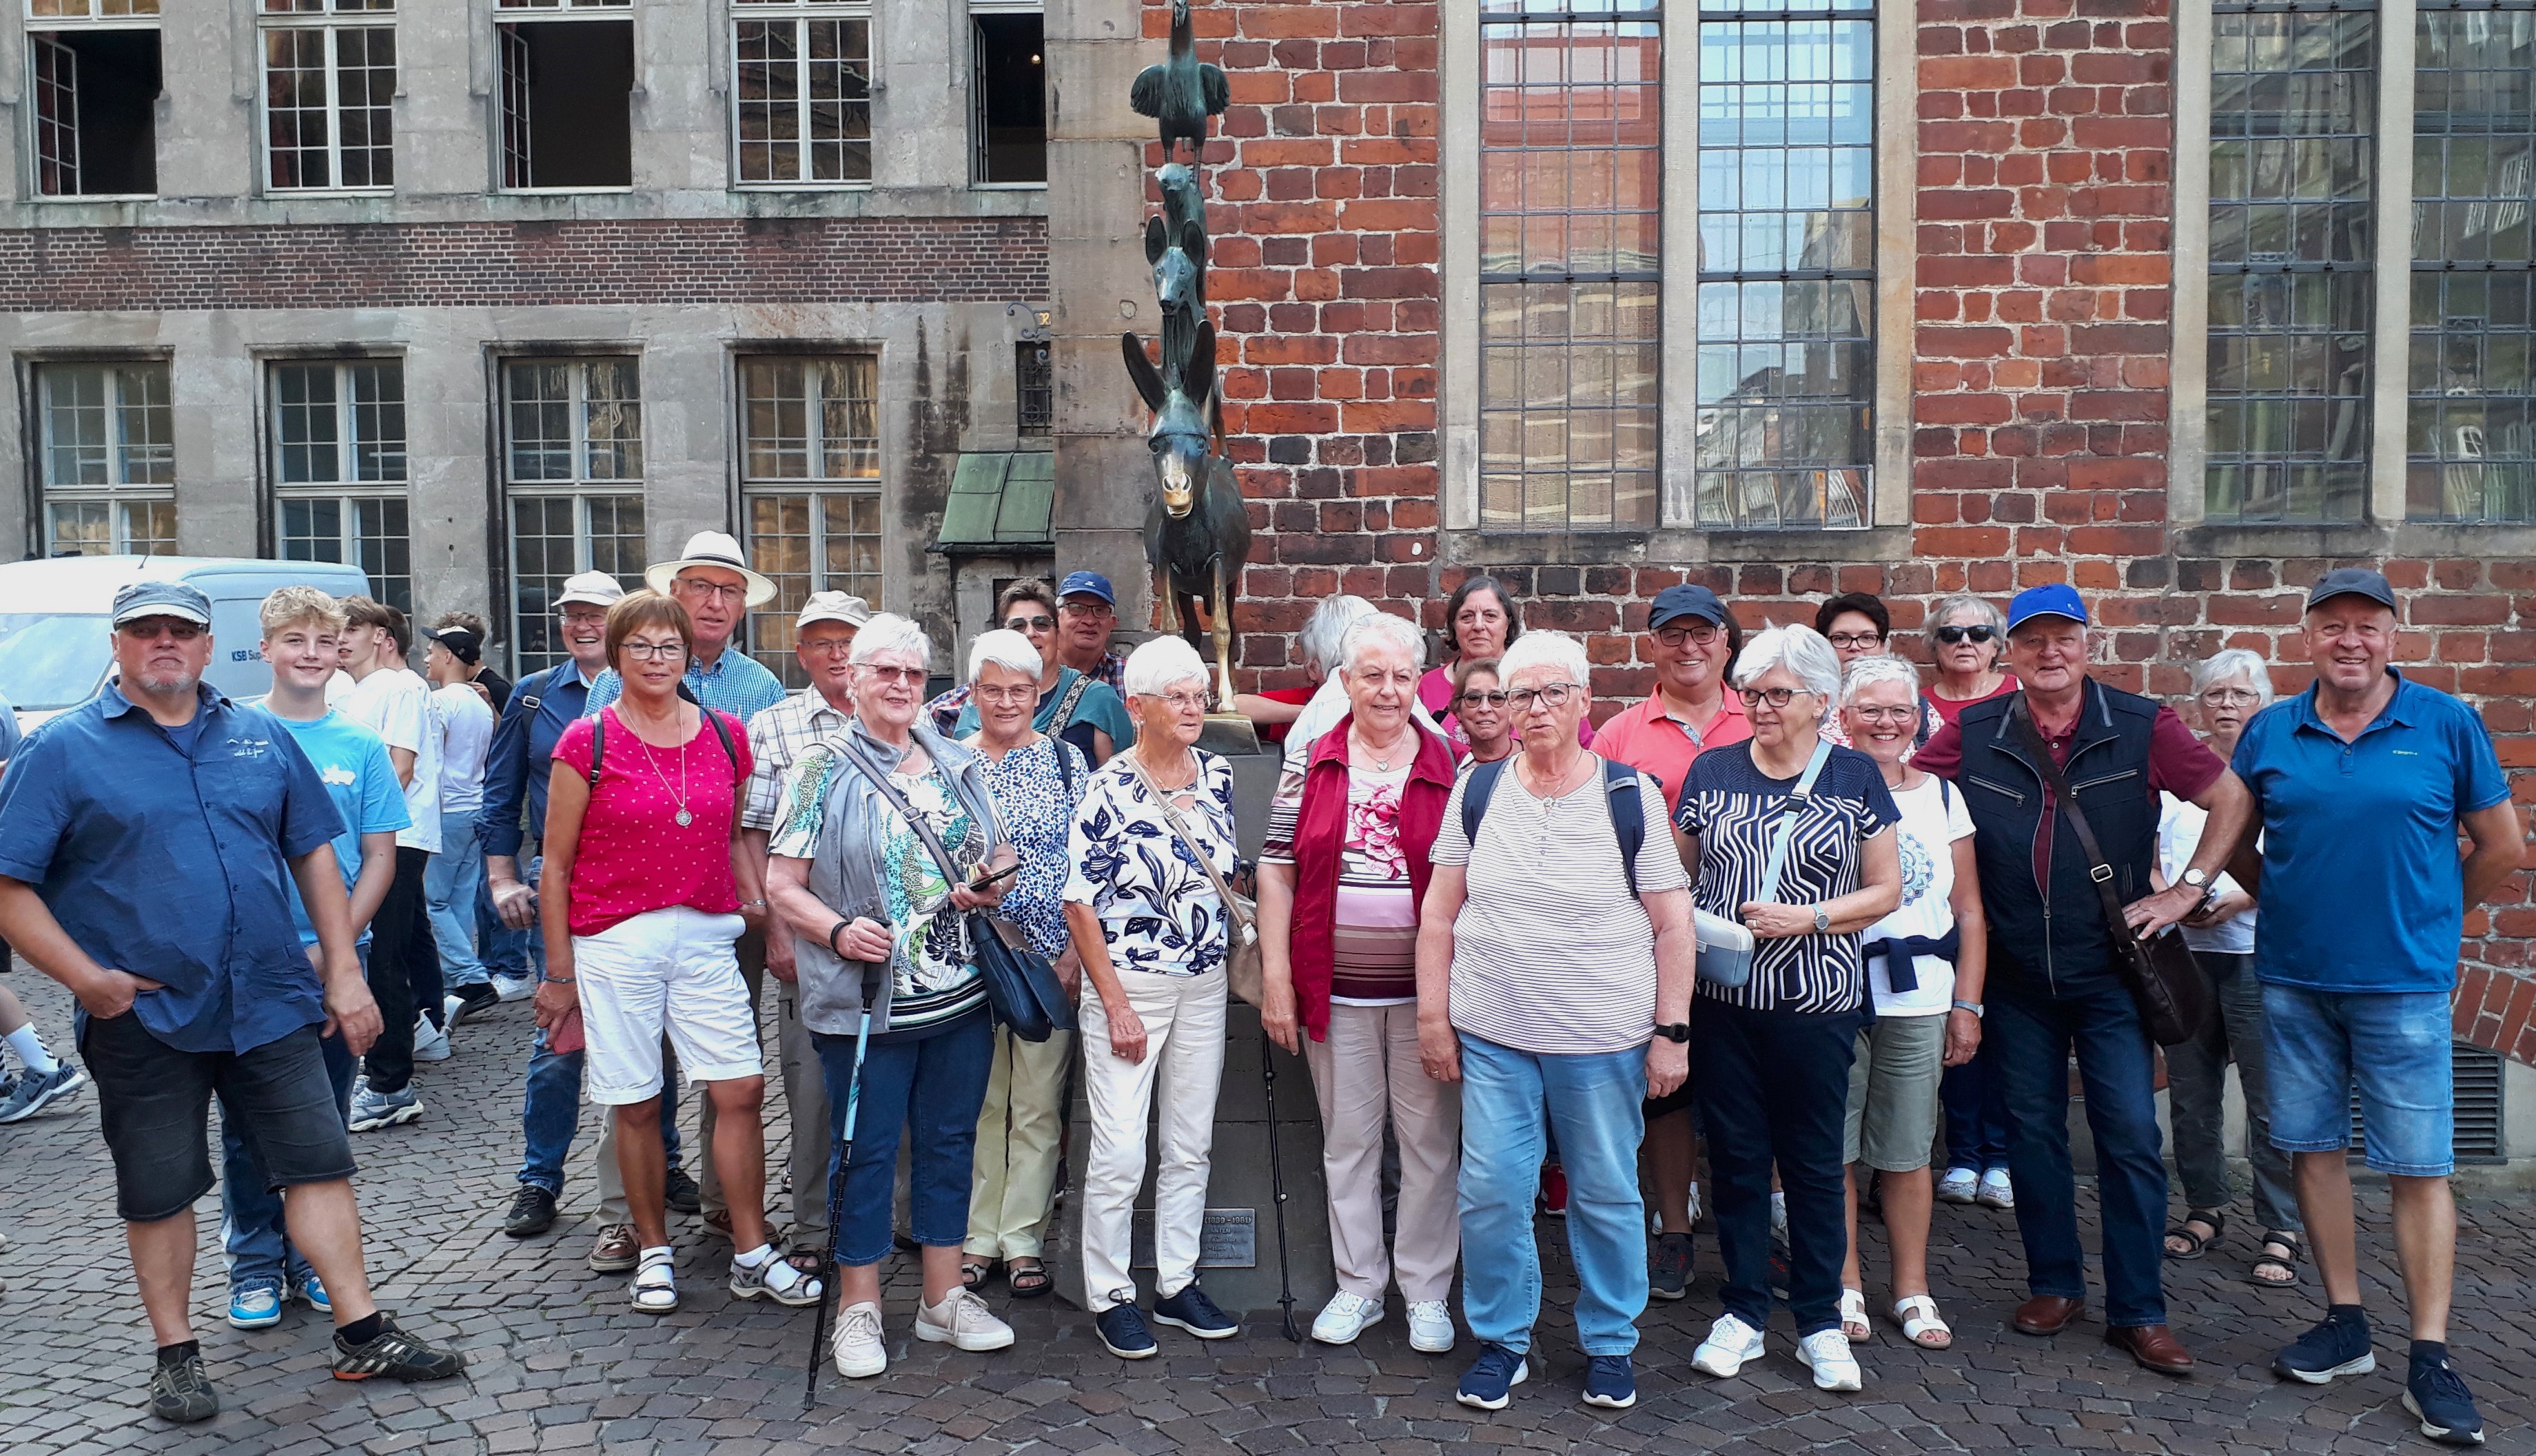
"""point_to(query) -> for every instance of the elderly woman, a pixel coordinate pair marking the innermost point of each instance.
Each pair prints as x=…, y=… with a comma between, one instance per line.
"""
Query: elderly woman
x=1152, y=933
x=1340, y=882
x=645, y=875
x=1966, y=635
x=857, y=872
x=1479, y=704
x=1858, y=625
x=2229, y=690
x=1925, y=968
x=1792, y=835
x=1554, y=976
x=1035, y=781
x=1481, y=621
x=1083, y=711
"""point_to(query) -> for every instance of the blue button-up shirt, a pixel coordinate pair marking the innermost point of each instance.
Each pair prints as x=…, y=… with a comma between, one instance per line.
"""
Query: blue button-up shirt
x=736, y=683
x=520, y=764
x=174, y=865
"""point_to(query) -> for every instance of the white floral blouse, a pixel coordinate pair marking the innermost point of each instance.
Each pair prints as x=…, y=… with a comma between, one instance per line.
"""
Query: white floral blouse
x=1158, y=913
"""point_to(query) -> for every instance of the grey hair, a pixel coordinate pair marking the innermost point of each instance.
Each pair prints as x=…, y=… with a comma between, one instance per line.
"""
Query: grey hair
x=1947, y=606
x=2235, y=661
x=1153, y=668
x=1540, y=647
x=1324, y=637
x=1866, y=672
x=1797, y=648
x=887, y=631
x=1382, y=626
x=1005, y=648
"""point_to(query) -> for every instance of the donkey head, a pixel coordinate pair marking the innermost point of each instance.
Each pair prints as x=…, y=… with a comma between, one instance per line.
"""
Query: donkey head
x=1178, y=438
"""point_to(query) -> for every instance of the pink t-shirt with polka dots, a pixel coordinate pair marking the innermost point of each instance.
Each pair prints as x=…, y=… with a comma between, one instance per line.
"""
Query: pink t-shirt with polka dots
x=635, y=856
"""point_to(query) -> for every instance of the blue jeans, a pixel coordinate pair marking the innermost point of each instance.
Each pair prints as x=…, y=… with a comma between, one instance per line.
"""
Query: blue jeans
x=450, y=888
x=251, y=1228
x=2116, y=1070
x=1510, y=1100
x=506, y=951
x=552, y=1114
x=930, y=1088
x=1774, y=1092
x=1976, y=1105
x=2394, y=1044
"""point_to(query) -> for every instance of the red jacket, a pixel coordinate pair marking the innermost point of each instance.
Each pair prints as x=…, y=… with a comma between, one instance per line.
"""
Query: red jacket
x=1320, y=831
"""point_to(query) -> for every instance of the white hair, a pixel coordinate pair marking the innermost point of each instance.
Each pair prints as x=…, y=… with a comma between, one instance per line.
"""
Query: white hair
x=1382, y=626
x=1542, y=648
x=1005, y=648
x=889, y=632
x=1324, y=637
x=1801, y=650
x=1154, y=669
x=1983, y=608
x=1866, y=672
x=2235, y=661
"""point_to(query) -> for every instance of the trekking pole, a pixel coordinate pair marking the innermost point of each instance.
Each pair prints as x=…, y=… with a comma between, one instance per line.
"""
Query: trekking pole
x=841, y=1149
x=1277, y=1187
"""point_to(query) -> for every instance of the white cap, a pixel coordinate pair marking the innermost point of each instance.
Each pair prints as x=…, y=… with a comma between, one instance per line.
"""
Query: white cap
x=596, y=588
x=833, y=606
x=711, y=548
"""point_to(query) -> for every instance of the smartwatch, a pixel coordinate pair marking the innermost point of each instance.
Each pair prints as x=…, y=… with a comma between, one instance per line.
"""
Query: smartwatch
x=1678, y=1031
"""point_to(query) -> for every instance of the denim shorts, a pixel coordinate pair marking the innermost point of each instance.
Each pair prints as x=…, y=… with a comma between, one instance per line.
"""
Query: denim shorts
x=2393, y=1044
x=156, y=1102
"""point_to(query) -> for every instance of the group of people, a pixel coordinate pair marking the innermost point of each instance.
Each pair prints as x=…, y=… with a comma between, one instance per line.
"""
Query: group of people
x=1764, y=917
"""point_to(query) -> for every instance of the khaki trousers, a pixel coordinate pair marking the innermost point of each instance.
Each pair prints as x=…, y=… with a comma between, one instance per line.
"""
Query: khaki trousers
x=805, y=1095
x=1018, y=1130
x=1367, y=1073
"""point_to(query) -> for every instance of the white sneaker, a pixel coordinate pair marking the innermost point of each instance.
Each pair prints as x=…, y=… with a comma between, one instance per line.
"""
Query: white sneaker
x=514, y=988
x=1694, y=1206
x=1730, y=1343
x=861, y=1349
x=1430, y=1327
x=1958, y=1185
x=1779, y=1217
x=1995, y=1190
x=963, y=1321
x=430, y=1042
x=1835, y=1368
x=1345, y=1317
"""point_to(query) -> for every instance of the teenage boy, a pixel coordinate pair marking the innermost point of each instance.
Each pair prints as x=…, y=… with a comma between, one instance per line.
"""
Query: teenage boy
x=392, y=701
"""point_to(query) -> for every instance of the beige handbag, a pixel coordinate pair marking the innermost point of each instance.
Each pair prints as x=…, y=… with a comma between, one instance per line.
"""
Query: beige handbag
x=1242, y=962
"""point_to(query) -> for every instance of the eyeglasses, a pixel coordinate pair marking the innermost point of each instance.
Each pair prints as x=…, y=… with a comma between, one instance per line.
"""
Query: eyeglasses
x=657, y=651
x=1675, y=636
x=828, y=647
x=694, y=587
x=1847, y=640
x=1180, y=702
x=1089, y=608
x=1550, y=695
x=2231, y=697
x=1977, y=633
x=1882, y=715
x=1039, y=623
x=883, y=672
x=1008, y=697
x=1476, y=699
x=1776, y=697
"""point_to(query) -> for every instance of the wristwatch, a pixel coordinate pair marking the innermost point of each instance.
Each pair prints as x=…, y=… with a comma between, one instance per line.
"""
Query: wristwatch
x=1822, y=920
x=1975, y=1007
x=1678, y=1031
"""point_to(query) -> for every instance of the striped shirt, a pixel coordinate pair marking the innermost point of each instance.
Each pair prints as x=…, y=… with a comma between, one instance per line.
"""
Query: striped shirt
x=1552, y=955
x=780, y=736
x=1373, y=939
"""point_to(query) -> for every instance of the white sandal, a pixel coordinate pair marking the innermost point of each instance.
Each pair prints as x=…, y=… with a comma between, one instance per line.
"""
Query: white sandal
x=1918, y=1316
x=1853, y=1317
x=655, y=1281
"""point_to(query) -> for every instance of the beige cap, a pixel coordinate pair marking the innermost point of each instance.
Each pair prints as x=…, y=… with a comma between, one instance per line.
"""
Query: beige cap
x=711, y=548
x=596, y=588
x=833, y=606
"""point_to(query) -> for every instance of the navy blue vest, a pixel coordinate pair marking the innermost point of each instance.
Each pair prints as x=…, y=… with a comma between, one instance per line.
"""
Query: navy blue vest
x=2052, y=942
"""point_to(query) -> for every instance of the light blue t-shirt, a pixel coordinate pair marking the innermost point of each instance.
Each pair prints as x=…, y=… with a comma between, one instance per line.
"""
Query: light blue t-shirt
x=353, y=763
x=2362, y=887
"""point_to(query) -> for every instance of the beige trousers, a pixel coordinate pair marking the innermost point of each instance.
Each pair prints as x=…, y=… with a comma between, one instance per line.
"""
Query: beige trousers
x=805, y=1095
x=1366, y=1073
x=1018, y=1129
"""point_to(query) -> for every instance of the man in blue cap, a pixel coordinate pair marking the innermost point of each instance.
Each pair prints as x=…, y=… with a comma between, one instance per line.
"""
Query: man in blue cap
x=2362, y=782
x=2052, y=975
x=1087, y=613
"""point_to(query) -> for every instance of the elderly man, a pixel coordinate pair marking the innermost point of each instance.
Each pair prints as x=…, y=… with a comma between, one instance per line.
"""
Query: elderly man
x=1087, y=613
x=2357, y=956
x=2053, y=977
x=149, y=839
x=823, y=639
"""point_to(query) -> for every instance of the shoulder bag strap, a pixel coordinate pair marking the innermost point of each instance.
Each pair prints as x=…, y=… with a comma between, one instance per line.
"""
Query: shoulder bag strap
x=888, y=790
x=2099, y=870
x=1188, y=841
x=714, y=720
x=1796, y=799
x=1065, y=706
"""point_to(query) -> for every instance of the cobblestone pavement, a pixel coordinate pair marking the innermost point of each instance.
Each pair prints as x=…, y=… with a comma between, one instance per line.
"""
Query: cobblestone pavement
x=558, y=1363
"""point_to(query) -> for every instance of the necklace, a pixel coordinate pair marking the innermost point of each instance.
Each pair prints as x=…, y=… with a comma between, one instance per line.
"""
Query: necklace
x=678, y=794
x=1382, y=759
x=1555, y=787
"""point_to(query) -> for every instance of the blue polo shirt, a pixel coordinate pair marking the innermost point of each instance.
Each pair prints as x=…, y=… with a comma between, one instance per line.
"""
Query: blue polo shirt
x=169, y=860
x=2363, y=889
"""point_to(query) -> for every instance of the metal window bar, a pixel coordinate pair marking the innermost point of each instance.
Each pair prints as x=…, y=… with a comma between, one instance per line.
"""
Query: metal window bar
x=552, y=538
x=516, y=148
x=57, y=148
x=1034, y=388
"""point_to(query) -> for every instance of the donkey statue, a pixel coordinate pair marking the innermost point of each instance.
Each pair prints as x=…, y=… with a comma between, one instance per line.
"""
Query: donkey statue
x=1197, y=536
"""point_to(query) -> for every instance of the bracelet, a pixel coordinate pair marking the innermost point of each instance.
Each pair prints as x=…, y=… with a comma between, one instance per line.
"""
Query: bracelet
x=746, y=903
x=558, y=980
x=832, y=937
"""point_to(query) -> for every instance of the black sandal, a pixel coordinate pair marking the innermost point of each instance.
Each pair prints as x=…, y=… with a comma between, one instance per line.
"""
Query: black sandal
x=2197, y=1245
x=1028, y=1281
x=2267, y=1259
x=974, y=1272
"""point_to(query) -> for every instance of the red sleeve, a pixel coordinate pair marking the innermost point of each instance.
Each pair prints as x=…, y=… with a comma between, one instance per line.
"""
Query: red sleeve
x=2178, y=762
x=1943, y=754
x=574, y=746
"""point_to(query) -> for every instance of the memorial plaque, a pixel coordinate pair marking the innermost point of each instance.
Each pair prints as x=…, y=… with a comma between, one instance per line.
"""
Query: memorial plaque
x=1228, y=1239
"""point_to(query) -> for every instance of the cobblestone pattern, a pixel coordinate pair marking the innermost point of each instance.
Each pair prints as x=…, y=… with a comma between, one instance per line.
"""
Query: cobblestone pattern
x=560, y=1365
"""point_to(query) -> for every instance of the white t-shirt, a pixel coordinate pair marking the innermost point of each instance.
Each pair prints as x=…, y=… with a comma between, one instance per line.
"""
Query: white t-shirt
x=466, y=736
x=2179, y=833
x=396, y=704
x=1934, y=817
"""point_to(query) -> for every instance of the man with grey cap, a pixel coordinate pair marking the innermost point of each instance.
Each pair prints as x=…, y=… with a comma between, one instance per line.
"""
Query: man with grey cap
x=823, y=636
x=149, y=840
x=2362, y=783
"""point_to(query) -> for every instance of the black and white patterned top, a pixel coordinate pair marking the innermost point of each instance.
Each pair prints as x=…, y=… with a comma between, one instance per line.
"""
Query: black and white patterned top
x=1159, y=911
x=1734, y=811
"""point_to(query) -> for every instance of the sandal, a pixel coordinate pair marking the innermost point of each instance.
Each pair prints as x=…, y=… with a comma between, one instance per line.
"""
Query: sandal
x=655, y=1282
x=808, y=1262
x=775, y=1278
x=974, y=1272
x=1853, y=1317
x=2196, y=1244
x=1918, y=1316
x=2286, y=1263
x=1028, y=1276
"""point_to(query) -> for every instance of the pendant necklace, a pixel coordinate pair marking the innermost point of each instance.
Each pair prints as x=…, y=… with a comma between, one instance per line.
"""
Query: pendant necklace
x=678, y=794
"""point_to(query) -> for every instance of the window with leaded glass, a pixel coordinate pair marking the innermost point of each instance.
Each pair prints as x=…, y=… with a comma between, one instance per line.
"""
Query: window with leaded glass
x=339, y=469
x=108, y=458
x=572, y=470
x=810, y=487
x=801, y=93
x=329, y=78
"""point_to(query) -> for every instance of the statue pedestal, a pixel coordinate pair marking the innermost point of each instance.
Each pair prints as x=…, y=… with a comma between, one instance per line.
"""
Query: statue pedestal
x=1231, y=736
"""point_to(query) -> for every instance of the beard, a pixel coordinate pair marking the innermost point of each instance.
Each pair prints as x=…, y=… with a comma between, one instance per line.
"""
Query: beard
x=173, y=685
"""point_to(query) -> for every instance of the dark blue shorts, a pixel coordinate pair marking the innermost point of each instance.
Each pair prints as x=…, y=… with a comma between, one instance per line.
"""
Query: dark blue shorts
x=155, y=1104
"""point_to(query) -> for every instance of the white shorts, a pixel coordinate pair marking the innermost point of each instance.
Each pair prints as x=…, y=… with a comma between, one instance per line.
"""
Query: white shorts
x=671, y=969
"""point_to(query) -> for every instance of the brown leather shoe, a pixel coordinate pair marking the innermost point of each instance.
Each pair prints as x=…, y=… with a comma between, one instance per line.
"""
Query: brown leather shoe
x=615, y=1250
x=2048, y=1314
x=2154, y=1346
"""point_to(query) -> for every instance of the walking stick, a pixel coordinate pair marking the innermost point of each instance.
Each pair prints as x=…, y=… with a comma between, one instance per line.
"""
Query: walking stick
x=839, y=1150
x=1277, y=1187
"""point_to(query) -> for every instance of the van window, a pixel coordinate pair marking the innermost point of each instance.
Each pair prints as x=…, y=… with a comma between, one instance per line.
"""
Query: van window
x=50, y=662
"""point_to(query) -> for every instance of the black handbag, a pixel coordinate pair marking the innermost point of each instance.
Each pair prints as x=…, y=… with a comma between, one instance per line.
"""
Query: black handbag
x=2170, y=988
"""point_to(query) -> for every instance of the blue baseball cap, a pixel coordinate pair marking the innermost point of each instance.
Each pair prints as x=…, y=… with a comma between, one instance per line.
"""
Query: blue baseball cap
x=2054, y=600
x=1089, y=582
x=161, y=599
x=1686, y=602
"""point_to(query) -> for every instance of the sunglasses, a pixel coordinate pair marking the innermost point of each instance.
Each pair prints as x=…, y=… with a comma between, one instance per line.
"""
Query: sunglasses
x=1952, y=635
x=1028, y=624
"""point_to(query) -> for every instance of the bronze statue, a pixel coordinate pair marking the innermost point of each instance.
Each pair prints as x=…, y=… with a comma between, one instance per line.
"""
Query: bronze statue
x=1183, y=91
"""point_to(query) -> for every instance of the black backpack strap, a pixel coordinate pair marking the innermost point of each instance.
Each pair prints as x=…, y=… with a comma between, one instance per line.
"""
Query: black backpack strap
x=597, y=746
x=1629, y=815
x=723, y=733
x=1475, y=796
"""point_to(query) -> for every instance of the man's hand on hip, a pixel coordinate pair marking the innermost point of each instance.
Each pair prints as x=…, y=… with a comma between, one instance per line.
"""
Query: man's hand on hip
x=110, y=993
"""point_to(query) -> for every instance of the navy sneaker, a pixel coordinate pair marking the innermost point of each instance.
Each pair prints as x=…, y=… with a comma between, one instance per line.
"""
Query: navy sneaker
x=2338, y=1346
x=1122, y=1329
x=1191, y=1310
x=1669, y=1271
x=1610, y=1382
x=1490, y=1380
x=2438, y=1398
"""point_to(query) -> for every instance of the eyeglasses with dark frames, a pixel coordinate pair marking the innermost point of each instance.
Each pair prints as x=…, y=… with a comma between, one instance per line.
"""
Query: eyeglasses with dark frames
x=1776, y=697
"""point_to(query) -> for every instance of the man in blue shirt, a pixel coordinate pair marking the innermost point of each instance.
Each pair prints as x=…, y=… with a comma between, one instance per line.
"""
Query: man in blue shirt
x=147, y=842
x=2362, y=782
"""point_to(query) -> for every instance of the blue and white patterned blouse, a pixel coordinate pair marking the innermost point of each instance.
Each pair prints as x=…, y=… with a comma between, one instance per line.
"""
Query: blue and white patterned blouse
x=1158, y=913
x=1030, y=793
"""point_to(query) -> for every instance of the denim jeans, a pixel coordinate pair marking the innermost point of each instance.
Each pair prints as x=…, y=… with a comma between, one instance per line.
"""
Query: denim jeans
x=931, y=1088
x=258, y=1247
x=2117, y=1071
x=506, y=951
x=1774, y=1091
x=552, y=1114
x=1509, y=1101
x=1976, y=1104
x=2197, y=1075
x=2392, y=1047
x=450, y=888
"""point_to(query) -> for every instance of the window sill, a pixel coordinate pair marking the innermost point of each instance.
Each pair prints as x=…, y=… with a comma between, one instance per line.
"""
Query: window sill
x=296, y=194
x=1008, y=186
x=1675, y=544
x=76, y=198
x=800, y=186
x=625, y=190
x=2362, y=539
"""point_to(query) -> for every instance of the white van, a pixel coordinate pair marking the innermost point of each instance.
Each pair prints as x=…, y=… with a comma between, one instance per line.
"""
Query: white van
x=54, y=648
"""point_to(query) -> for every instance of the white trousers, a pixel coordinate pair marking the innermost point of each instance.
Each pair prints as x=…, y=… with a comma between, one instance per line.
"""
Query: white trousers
x=1367, y=1074
x=1175, y=1083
